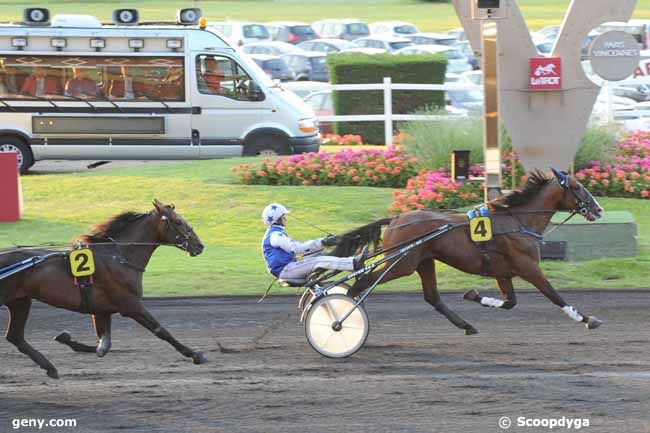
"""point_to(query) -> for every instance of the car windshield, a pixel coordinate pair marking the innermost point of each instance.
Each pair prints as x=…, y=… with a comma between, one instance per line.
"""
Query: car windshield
x=275, y=64
x=256, y=31
x=406, y=30
x=358, y=29
x=447, y=42
x=398, y=45
x=303, y=30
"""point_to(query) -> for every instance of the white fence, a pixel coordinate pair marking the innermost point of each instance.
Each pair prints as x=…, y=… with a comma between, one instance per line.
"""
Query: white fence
x=388, y=117
x=387, y=87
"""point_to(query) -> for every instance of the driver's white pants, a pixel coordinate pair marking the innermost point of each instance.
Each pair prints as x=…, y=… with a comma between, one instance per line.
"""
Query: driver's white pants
x=302, y=268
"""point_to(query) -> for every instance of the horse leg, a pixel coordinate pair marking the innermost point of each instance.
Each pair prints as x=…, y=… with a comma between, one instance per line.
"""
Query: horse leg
x=18, y=313
x=102, y=325
x=141, y=315
x=505, y=285
x=427, y=271
x=537, y=279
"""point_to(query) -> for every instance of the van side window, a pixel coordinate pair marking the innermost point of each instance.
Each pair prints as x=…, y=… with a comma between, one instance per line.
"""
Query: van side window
x=93, y=78
x=216, y=75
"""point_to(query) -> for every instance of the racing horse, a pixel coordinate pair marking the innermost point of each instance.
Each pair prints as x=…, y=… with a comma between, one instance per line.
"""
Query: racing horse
x=518, y=220
x=122, y=247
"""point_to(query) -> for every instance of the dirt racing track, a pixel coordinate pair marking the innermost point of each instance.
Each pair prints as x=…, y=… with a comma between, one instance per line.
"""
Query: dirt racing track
x=417, y=373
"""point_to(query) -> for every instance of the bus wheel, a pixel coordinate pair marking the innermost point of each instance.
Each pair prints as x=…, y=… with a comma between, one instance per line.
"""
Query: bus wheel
x=267, y=145
x=15, y=144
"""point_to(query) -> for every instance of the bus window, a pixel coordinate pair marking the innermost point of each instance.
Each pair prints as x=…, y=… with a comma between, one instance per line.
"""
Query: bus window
x=221, y=76
x=93, y=78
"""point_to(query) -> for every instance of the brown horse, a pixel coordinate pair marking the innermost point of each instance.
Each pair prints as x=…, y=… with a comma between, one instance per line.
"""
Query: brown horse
x=122, y=247
x=518, y=219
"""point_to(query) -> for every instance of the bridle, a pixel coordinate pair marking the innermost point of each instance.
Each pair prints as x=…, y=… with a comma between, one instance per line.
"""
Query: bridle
x=181, y=240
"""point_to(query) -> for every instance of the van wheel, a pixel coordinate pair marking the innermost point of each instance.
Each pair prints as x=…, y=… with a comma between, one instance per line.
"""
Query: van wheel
x=267, y=145
x=15, y=144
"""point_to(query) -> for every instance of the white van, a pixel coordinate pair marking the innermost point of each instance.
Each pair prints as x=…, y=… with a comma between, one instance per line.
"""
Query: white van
x=112, y=92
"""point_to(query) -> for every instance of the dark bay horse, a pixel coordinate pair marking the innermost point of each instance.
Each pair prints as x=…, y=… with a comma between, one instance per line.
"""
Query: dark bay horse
x=122, y=247
x=518, y=219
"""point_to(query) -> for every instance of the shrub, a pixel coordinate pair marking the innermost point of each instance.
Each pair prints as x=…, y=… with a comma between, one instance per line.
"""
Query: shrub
x=390, y=167
x=342, y=140
x=598, y=144
x=435, y=190
x=354, y=68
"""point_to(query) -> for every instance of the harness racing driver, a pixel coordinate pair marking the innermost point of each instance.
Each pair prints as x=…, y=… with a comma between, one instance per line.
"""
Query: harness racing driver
x=280, y=250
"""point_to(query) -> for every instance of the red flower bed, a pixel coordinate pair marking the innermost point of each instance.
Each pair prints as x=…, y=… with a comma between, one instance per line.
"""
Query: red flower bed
x=342, y=140
x=390, y=167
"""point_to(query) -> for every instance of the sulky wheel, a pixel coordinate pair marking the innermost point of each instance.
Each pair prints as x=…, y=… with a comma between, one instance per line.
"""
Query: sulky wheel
x=327, y=336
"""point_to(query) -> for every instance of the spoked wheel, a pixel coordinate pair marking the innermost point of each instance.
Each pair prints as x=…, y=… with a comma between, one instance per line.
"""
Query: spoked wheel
x=327, y=335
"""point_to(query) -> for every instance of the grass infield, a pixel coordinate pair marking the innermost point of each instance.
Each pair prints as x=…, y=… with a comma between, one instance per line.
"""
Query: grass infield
x=226, y=216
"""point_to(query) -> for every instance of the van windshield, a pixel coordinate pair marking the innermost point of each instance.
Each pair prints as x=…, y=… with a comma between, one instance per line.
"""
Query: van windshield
x=358, y=29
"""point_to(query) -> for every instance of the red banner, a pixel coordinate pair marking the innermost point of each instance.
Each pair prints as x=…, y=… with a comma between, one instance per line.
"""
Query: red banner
x=545, y=73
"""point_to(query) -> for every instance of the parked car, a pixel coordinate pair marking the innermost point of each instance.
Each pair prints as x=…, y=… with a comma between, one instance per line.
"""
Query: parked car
x=466, y=49
x=293, y=32
x=321, y=103
x=456, y=61
x=241, y=32
x=637, y=92
x=470, y=100
x=546, y=34
x=584, y=52
x=308, y=66
x=394, y=28
x=273, y=48
x=545, y=48
x=458, y=33
x=326, y=45
x=472, y=77
x=432, y=39
x=367, y=51
x=348, y=29
x=304, y=88
x=384, y=42
x=273, y=66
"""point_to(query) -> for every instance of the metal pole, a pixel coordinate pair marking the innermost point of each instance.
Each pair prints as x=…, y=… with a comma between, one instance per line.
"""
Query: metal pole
x=388, y=112
x=491, y=136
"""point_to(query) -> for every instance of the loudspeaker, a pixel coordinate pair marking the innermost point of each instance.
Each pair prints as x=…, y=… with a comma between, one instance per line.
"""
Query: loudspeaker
x=125, y=17
x=188, y=16
x=36, y=16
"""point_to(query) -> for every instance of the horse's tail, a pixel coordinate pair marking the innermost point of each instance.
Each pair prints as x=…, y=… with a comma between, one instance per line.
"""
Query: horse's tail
x=355, y=240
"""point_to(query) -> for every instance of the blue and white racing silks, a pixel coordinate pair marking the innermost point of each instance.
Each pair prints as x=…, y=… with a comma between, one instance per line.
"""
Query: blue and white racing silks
x=279, y=249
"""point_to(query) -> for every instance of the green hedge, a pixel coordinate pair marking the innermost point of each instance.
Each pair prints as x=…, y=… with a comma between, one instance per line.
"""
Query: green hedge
x=355, y=68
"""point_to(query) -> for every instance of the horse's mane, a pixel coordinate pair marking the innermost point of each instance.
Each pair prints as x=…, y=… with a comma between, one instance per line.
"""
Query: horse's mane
x=536, y=181
x=111, y=228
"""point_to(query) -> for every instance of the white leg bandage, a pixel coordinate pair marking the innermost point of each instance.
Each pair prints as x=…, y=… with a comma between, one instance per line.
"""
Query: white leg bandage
x=572, y=313
x=491, y=302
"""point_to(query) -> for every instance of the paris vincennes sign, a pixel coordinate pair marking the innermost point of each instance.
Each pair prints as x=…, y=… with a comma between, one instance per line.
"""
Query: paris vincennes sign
x=545, y=73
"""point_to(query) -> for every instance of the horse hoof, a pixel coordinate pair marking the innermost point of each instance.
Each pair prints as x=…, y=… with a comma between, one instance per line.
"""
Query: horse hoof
x=471, y=295
x=53, y=373
x=471, y=330
x=101, y=353
x=593, y=323
x=199, y=358
x=63, y=338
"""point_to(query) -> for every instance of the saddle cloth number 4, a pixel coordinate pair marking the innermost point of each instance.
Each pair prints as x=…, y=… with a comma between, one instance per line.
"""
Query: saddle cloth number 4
x=480, y=229
x=82, y=262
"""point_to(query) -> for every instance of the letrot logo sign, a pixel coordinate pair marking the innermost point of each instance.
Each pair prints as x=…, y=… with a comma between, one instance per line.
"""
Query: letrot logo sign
x=545, y=73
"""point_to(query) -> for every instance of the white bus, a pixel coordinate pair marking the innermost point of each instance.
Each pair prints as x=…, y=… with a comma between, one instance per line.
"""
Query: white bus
x=73, y=89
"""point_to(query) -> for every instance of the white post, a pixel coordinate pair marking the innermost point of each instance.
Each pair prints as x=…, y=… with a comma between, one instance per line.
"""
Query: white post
x=610, y=101
x=388, y=112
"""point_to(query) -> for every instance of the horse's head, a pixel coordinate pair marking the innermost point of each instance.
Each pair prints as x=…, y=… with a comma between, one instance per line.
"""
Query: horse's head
x=576, y=197
x=174, y=230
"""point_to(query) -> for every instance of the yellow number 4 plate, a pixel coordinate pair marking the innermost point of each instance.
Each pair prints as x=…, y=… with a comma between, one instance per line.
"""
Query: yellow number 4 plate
x=480, y=229
x=82, y=262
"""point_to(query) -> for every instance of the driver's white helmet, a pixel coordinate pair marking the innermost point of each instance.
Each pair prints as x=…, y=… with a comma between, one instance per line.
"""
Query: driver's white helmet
x=273, y=212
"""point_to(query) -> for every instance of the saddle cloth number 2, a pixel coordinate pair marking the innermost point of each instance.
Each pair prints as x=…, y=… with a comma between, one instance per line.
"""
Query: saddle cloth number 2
x=82, y=262
x=480, y=229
